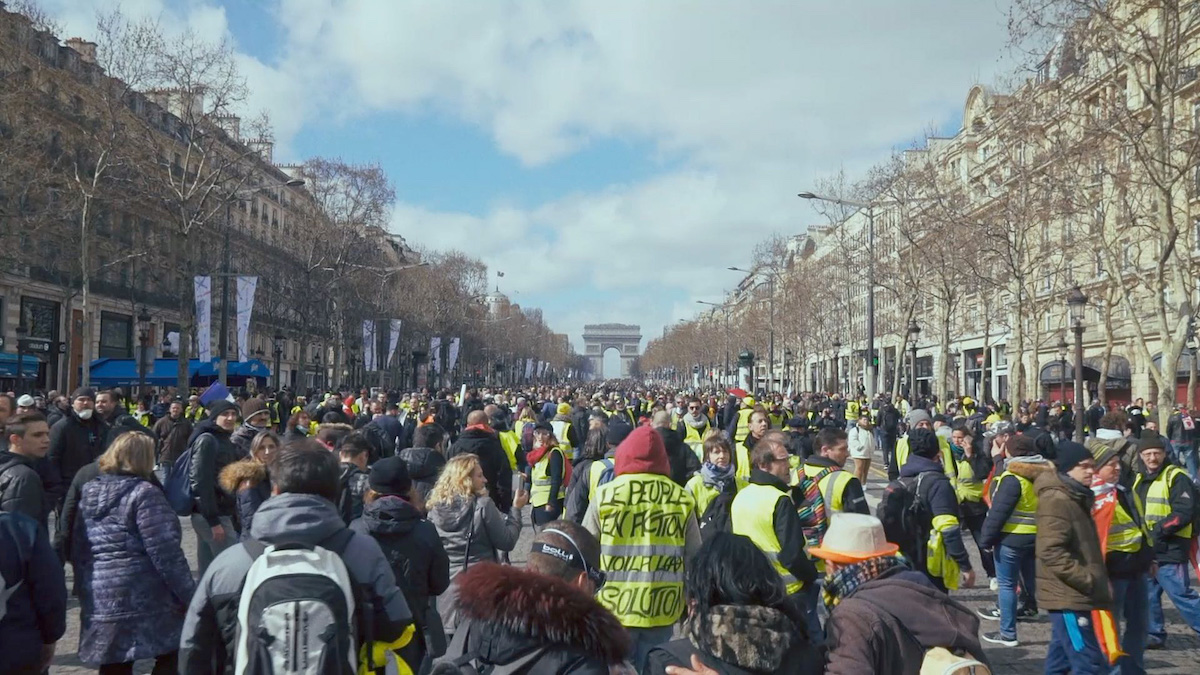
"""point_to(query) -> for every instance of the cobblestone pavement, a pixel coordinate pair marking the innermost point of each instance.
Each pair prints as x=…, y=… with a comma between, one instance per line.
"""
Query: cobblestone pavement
x=1181, y=656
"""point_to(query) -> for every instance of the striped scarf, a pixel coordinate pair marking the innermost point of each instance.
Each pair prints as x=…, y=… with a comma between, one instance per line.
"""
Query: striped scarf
x=814, y=512
x=849, y=577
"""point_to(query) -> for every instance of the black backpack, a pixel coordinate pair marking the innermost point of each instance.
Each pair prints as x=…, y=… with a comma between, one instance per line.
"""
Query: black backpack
x=458, y=659
x=381, y=446
x=906, y=516
x=716, y=517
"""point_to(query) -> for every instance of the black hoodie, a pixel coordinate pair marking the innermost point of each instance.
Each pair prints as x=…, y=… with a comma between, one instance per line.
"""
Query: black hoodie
x=212, y=451
x=75, y=443
x=412, y=547
x=424, y=467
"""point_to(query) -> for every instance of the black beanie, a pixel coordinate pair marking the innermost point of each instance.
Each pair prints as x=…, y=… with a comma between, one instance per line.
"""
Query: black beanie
x=1150, y=439
x=617, y=432
x=84, y=392
x=1069, y=454
x=923, y=443
x=389, y=476
x=219, y=406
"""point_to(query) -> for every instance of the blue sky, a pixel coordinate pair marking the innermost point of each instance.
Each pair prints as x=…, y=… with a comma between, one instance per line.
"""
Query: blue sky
x=612, y=158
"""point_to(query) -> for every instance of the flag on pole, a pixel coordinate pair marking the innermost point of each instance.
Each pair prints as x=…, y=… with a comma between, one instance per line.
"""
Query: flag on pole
x=435, y=353
x=369, y=342
x=245, y=309
x=203, y=288
x=393, y=340
x=453, y=354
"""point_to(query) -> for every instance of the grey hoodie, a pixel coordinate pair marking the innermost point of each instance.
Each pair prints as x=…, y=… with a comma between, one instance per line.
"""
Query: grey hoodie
x=480, y=523
x=210, y=629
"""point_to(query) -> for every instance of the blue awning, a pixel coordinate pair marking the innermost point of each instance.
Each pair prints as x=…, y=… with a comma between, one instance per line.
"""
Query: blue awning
x=114, y=372
x=8, y=365
x=251, y=368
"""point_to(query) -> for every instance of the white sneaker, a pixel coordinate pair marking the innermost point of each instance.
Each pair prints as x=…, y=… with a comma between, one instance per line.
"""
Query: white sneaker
x=994, y=584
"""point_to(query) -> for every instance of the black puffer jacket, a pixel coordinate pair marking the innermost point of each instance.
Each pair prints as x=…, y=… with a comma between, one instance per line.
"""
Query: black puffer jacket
x=243, y=436
x=212, y=451
x=412, y=547
x=424, y=467
x=75, y=443
x=485, y=444
x=509, y=612
x=21, y=487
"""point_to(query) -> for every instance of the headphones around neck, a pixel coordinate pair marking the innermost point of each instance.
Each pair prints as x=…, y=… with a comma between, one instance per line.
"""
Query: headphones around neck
x=575, y=559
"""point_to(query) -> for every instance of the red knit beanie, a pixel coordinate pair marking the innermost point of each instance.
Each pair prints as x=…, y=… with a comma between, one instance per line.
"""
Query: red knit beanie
x=642, y=452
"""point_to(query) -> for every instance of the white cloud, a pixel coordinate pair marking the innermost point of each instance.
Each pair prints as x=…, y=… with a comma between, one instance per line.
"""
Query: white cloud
x=758, y=100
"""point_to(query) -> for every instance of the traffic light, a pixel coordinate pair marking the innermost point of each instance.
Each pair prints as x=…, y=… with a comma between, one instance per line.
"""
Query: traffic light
x=875, y=358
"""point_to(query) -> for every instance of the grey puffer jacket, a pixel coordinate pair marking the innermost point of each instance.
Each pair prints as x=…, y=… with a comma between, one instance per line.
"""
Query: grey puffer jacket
x=472, y=530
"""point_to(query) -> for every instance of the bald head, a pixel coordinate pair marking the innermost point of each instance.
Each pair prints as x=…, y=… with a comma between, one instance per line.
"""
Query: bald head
x=661, y=419
x=476, y=417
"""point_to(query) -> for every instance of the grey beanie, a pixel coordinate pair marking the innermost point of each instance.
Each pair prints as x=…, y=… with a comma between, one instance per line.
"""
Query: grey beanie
x=917, y=416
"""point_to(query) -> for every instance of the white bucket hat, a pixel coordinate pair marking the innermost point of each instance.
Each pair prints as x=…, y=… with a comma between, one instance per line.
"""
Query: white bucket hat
x=853, y=537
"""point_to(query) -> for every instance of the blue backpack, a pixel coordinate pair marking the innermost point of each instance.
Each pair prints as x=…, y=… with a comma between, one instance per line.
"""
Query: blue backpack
x=177, y=484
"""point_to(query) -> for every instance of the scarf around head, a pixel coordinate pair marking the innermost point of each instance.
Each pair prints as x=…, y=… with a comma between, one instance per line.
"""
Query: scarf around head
x=847, y=578
x=716, y=477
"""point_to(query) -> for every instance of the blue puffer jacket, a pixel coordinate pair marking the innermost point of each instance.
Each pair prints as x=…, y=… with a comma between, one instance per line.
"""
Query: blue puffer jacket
x=36, y=612
x=135, y=580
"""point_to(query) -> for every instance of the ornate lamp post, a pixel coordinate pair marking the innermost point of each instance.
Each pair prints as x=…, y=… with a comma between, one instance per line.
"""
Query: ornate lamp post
x=1076, y=304
x=913, y=332
x=1062, y=371
x=837, y=348
x=143, y=320
x=22, y=334
x=278, y=339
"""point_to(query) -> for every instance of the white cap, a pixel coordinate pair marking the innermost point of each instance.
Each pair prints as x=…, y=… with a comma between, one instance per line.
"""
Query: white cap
x=26, y=401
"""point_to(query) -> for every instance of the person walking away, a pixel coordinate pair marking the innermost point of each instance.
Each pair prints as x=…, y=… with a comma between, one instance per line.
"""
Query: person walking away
x=1170, y=502
x=76, y=440
x=920, y=419
x=564, y=430
x=739, y=617
x=646, y=525
x=593, y=450
x=425, y=460
x=34, y=590
x=1128, y=555
x=353, y=451
x=1181, y=430
x=973, y=468
x=541, y=619
x=300, y=512
x=213, y=450
x=715, y=487
x=599, y=471
x=172, y=433
x=1072, y=580
x=861, y=441
x=412, y=547
x=248, y=481
x=479, y=439
x=1010, y=529
x=684, y=463
x=764, y=512
x=21, y=489
x=135, y=582
x=469, y=524
x=884, y=617
x=549, y=474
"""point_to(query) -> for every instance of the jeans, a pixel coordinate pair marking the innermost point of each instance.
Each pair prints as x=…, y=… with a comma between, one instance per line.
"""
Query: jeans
x=206, y=548
x=1133, y=610
x=1172, y=578
x=809, y=602
x=1073, y=645
x=888, y=446
x=1186, y=452
x=1012, y=565
x=645, y=639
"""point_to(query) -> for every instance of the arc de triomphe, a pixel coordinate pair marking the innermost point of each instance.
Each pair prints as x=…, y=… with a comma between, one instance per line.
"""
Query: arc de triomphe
x=599, y=338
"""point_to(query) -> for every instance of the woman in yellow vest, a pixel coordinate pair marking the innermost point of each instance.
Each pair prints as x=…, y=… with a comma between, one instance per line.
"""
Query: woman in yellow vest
x=549, y=475
x=716, y=477
x=973, y=469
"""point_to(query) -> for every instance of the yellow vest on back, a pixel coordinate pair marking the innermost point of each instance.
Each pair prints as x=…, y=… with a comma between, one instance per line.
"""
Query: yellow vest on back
x=753, y=515
x=643, y=525
x=743, y=425
x=1022, y=520
x=510, y=441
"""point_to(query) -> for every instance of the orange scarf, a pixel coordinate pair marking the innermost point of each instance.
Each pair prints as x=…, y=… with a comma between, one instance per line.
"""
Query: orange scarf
x=1102, y=620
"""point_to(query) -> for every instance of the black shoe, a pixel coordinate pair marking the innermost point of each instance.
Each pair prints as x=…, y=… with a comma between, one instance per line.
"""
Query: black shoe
x=998, y=639
x=1025, y=613
x=1155, y=643
x=990, y=613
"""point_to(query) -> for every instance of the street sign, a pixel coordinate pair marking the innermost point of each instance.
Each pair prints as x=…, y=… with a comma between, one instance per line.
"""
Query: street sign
x=62, y=347
x=34, y=346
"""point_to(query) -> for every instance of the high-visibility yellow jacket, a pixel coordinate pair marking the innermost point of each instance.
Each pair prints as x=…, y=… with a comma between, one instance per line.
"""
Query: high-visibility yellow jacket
x=752, y=515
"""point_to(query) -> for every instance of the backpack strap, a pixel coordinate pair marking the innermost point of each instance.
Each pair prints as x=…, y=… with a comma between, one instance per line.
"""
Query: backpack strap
x=457, y=655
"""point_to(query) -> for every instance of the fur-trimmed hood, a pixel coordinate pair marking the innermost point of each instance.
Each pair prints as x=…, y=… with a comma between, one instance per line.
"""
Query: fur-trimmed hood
x=512, y=610
x=1029, y=467
x=245, y=470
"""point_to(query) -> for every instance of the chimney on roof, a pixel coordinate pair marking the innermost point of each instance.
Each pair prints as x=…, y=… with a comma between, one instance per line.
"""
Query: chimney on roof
x=264, y=147
x=86, y=49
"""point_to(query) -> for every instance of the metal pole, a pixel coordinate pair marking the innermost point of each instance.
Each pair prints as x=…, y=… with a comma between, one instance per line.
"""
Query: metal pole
x=1079, y=383
x=872, y=369
x=278, y=375
x=912, y=389
x=223, y=340
x=20, y=367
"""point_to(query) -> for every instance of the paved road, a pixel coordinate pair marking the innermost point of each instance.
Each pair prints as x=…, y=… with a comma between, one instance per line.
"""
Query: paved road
x=1182, y=655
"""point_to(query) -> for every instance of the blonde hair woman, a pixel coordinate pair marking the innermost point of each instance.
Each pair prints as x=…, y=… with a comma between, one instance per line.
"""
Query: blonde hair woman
x=247, y=480
x=135, y=582
x=472, y=529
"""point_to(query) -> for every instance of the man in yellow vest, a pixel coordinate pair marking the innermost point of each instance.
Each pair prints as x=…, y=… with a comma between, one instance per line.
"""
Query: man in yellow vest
x=741, y=421
x=1010, y=529
x=919, y=418
x=1168, y=497
x=568, y=438
x=1128, y=555
x=974, y=466
x=693, y=427
x=840, y=490
x=757, y=425
x=763, y=510
x=195, y=412
x=947, y=564
x=647, y=528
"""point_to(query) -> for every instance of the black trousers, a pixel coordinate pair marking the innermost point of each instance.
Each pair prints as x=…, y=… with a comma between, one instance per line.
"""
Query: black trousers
x=165, y=664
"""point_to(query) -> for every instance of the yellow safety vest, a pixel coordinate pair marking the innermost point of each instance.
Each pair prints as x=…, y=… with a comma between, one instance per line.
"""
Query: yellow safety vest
x=510, y=441
x=643, y=526
x=832, y=487
x=694, y=438
x=143, y=417
x=742, y=461
x=1022, y=520
x=561, y=429
x=1124, y=535
x=777, y=421
x=595, y=471
x=1158, y=498
x=743, y=425
x=195, y=414
x=539, y=492
x=852, y=410
x=273, y=406
x=704, y=494
x=753, y=515
x=519, y=427
x=949, y=466
x=966, y=485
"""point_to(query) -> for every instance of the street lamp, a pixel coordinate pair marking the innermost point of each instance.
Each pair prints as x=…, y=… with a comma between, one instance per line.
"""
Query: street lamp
x=1062, y=371
x=872, y=369
x=837, y=348
x=223, y=340
x=278, y=344
x=913, y=331
x=143, y=319
x=771, y=322
x=22, y=333
x=787, y=368
x=1076, y=304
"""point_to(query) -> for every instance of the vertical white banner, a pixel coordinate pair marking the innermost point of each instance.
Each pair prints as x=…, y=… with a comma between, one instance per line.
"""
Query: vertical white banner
x=203, y=287
x=435, y=353
x=393, y=340
x=245, y=308
x=541, y=368
x=369, y=345
x=528, y=368
x=453, y=355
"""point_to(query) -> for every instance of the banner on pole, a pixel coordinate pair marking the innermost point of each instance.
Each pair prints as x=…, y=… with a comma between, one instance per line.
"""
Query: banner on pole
x=203, y=288
x=245, y=308
x=453, y=355
x=369, y=345
x=435, y=354
x=393, y=340
x=528, y=368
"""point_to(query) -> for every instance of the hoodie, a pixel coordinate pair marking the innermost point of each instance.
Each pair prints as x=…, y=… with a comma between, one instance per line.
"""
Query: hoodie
x=472, y=530
x=210, y=628
x=411, y=545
